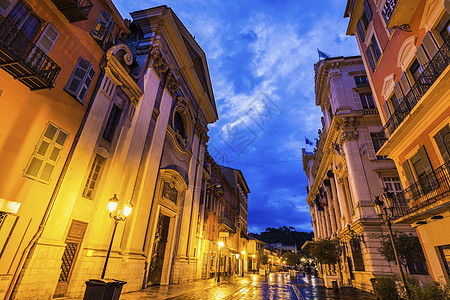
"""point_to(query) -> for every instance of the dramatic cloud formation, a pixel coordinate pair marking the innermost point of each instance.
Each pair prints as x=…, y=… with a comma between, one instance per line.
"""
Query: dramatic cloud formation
x=261, y=56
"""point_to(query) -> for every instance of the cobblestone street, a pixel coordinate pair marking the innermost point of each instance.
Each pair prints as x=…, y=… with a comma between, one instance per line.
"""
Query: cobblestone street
x=273, y=286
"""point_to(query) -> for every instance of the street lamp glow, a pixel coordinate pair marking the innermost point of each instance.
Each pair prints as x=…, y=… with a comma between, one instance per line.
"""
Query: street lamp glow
x=113, y=202
x=220, y=243
x=237, y=255
x=253, y=255
x=243, y=252
x=127, y=209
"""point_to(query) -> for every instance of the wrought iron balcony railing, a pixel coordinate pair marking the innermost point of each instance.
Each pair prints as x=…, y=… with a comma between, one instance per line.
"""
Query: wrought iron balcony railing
x=74, y=10
x=429, y=75
x=229, y=224
x=361, y=84
x=21, y=58
x=427, y=190
x=388, y=9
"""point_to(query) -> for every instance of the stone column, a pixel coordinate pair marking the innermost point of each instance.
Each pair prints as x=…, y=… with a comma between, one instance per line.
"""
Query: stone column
x=331, y=211
x=343, y=203
x=337, y=209
x=318, y=225
x=327, y=222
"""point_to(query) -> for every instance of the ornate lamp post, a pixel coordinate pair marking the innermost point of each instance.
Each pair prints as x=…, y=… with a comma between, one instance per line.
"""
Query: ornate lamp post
x=220, y=243
x=121, y=215
x=384, y=209
x=243, y=256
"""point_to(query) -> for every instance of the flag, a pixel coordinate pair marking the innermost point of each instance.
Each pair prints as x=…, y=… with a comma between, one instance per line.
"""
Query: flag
x=308, y=142
x=321, y=54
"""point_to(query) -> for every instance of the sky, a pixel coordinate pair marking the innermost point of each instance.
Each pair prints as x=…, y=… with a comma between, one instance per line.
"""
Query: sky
x=261, y=56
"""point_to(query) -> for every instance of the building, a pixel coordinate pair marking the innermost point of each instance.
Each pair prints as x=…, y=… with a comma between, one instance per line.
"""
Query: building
x=255, y=248
x=280, y=246
x=344, y=173
x=223, y=220
x=48, y=79
x=405, y=49
x=141, y=141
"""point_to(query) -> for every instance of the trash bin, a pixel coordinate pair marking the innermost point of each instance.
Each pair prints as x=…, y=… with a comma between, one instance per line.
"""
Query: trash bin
x=103, y=289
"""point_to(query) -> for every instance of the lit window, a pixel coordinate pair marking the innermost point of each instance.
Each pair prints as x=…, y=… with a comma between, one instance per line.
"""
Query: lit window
x=46, y=154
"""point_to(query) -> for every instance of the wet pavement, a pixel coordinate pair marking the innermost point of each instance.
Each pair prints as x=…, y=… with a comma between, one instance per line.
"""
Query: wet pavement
x=252, y=286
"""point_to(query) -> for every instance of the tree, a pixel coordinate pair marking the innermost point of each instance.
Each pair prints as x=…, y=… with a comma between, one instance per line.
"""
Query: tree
x=263, y=258
x=408, y=248
x=325, y=251
x=292, y=259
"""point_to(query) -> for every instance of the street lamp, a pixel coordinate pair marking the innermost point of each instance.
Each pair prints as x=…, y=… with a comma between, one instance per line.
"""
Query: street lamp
x=243, y=256
x=220, y=243
x=384, y=212
x=121, y=215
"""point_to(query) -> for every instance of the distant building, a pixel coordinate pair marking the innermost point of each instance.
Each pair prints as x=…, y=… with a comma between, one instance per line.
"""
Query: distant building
x=405, y=47
x=344, y=173
x=255, y=248
x=280, y=246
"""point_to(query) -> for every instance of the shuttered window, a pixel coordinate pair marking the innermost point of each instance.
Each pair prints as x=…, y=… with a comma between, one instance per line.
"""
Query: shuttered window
x=375, y=48
x=81, y=79
x=386, y=110
x=367, y=101
x=103, y=29
x=370, y=59
x=369, y=145
x=361, y=32
x=405, y=84
x=4, y=5
x=442, y=139
x=357, y=101
x=47, y=38
x=430, y=45
x=46, y=154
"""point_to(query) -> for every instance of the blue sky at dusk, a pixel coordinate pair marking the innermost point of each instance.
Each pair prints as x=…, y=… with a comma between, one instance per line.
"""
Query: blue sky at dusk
x=261, y=57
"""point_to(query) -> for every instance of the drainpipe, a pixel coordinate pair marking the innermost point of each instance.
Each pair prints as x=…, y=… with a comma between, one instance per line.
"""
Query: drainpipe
x=26, y=255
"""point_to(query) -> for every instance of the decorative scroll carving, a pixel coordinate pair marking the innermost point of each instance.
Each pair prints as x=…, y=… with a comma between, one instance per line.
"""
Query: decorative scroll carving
x=335, y=74
x=159, y=64
x=172, y=83
x=169, y=191
x=349, y=135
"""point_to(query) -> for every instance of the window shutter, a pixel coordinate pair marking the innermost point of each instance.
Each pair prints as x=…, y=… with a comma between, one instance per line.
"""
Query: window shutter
x=4, y=5
x=370, y=59
x=429, y=45
x=81, y=79
x=386, y=110
x=47, y=38
x=367, y=10
x=357, y=101
x=424, y=158
x=408, y=173
x=437, y=37
x=421, y=56
x=376, y=49
x=442, y=139
x=405, y=84
x=360, y=30
x=101, y=28
x=369, y=146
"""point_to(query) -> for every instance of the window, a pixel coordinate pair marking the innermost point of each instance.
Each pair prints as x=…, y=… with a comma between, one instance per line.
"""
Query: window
x=363, y=23
x=418, y=169
x=24, y=20
x=444, y=251
x=81, y=79
x=361, y=81
x=415, y=70
x=111, y=125
x=369, y=146
x=376, y=144
x=373, y=53
x=103, y=30
x=46, y=154
x=444, y=27
x=4, y=5
x=392, y=184
x=367, y=101
x=94, y=176
x=179, y=125
x=442, y=139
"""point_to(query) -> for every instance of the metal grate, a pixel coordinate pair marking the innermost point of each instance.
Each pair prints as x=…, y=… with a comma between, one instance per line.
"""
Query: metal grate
x=2, y=218
x=67, y=260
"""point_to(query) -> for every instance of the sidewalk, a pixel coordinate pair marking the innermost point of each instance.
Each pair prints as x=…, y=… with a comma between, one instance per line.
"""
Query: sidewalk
x=174, y=290
x=313, y=288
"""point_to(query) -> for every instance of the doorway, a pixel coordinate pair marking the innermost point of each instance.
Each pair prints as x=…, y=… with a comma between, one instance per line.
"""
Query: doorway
x=159, y=250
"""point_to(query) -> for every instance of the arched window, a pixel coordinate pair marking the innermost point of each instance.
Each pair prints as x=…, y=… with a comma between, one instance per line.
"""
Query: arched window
x=179, y=125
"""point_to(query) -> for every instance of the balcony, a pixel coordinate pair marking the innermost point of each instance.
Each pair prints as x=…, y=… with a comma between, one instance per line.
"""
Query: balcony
x=227, y=224
x=429, y=75
x=244, y=235
x=74, y=10
x=21, y=58
x=422, y=199
x=398, y=13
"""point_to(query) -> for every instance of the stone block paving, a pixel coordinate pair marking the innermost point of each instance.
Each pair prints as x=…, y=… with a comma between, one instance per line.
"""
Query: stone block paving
x=272, y=287
x=312, y=288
